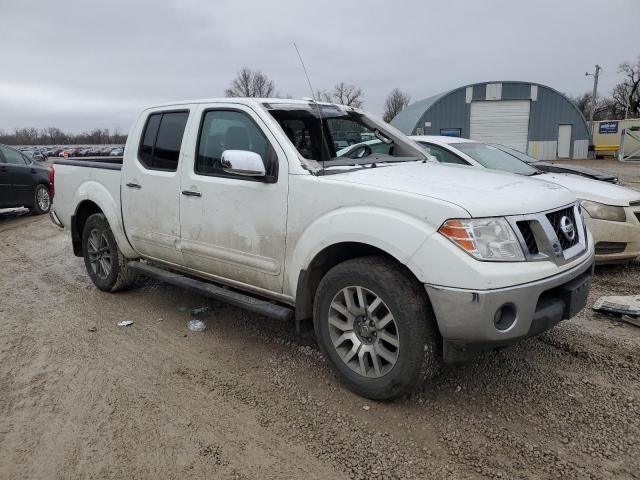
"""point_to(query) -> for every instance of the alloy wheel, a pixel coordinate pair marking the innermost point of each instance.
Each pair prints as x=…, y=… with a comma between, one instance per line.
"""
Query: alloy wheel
x=99, y=253
x=363, y=331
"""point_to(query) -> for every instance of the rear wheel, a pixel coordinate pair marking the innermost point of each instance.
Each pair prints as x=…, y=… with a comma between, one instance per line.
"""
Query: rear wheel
x=104, y=261
x=41, y=200
x=375, y=325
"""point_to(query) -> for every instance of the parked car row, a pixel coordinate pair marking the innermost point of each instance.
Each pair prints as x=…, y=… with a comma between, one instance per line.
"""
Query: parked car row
x=41, y=153
x=91, y=152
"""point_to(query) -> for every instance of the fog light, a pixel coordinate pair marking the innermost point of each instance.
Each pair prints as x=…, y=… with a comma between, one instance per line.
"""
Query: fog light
x=505, y=316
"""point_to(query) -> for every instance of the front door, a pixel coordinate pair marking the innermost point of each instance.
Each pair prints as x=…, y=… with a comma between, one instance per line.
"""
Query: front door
x=20, y=174
x=150, y=186
x=564, y=141
x=233, y=227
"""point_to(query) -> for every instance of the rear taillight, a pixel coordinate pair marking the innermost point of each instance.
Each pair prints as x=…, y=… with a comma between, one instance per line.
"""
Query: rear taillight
x=52, y=182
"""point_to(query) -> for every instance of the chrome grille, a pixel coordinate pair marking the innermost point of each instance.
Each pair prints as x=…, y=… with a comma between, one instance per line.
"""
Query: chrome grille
x=555, y=218
x=528, y=237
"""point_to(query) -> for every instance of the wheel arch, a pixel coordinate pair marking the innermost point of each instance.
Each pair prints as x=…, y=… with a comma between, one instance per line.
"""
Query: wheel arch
x=325, y=260
x=100, y=201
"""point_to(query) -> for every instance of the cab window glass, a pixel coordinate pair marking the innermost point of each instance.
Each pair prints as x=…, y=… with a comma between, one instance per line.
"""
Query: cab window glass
x=231, y=130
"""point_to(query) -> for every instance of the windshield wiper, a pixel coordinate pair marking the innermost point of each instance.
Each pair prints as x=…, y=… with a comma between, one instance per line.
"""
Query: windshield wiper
x=537, y=172
x=370, y=160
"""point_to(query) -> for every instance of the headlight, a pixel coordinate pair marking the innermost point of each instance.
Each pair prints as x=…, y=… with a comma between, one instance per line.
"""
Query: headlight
x=600, y=211
x=490, y=239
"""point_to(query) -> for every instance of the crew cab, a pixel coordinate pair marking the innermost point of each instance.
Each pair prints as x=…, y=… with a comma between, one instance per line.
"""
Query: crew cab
x=398, y=261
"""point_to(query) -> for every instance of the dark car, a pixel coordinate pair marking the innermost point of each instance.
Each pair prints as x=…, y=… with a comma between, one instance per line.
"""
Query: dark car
x=558, y=168
x=24, y=183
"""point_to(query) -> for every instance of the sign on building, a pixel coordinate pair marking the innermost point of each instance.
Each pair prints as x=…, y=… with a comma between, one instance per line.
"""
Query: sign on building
x=608, y=127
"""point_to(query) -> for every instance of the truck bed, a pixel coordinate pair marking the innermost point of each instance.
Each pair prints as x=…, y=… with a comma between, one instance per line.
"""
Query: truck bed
x=110, y=163
x=86, y=178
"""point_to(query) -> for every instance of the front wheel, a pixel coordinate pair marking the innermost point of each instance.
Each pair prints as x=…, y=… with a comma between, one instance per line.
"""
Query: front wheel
x=41, y=200
x=375, y=325
x=105, y=263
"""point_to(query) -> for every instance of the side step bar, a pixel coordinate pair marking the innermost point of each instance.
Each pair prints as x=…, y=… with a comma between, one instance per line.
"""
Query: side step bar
x=256, y=305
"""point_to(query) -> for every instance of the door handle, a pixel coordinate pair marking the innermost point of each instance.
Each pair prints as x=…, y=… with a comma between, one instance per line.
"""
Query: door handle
x=3, y=169
x=33, y=170
x=134, y=185
x=189, y=193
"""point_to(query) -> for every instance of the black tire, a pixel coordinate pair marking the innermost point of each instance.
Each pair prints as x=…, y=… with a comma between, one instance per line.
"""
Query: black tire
x=418, y=351
x=41, y=200
x=119, y=277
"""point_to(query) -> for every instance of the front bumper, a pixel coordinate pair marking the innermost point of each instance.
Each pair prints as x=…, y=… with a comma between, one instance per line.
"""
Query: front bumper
x=466, y=318
x=625, y=235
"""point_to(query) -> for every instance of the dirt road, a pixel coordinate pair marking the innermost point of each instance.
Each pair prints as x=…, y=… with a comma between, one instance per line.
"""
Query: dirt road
x=83, y=398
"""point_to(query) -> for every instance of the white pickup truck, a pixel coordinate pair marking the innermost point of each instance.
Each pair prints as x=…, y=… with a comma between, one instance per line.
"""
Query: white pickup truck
x=400, y=262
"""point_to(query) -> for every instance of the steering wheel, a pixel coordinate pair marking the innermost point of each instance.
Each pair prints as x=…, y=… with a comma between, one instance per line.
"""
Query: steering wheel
x=361, y=152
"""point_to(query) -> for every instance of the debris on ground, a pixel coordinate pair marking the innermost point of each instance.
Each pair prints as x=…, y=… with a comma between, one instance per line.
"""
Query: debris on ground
x=125, y=323
x=92, y=329
x=619, y=305
x=200, y=312
x=182, y=308
x=196, y=325
x=632, y=320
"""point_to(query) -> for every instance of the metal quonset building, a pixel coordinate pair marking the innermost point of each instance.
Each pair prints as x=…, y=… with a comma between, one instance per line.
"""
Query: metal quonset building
x=530, y=117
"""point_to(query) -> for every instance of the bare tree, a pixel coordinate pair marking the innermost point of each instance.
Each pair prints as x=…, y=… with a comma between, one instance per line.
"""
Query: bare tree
x=605, y=109
x=251, y=83
x=344, y=94
x=396, y=101
x=626, y=95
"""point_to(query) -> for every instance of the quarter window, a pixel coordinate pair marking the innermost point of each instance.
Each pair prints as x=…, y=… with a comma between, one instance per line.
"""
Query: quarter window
x=231, y=130
x=161, y=140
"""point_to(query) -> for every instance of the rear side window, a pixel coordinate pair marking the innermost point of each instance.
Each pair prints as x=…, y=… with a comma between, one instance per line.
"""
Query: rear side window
x=161, y=140
x=14, y=157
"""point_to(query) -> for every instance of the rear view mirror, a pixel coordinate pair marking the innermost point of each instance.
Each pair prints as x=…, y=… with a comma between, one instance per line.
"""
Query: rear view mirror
x=243, y=162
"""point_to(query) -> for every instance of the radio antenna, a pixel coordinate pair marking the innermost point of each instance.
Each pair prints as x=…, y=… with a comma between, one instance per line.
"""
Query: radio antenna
x=317, y=105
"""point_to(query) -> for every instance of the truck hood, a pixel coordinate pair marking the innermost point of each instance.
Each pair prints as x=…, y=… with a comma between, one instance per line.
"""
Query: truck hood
x=594, y=190
x=482, y=193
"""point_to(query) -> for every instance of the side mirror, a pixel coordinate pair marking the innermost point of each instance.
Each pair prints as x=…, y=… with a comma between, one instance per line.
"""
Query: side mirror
x=243, y=162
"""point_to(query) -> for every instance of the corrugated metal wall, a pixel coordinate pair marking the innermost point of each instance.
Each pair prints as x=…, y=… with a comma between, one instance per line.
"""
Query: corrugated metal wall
x=549, y=110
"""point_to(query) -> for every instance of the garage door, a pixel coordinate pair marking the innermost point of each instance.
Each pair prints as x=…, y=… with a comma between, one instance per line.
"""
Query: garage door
x=505, y=122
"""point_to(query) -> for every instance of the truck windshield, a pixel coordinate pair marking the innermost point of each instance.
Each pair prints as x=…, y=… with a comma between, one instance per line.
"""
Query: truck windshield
x=491, y=157
x=339, y=136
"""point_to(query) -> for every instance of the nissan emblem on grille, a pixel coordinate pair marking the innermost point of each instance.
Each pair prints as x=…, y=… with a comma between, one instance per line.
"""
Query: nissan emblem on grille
x=566, y=226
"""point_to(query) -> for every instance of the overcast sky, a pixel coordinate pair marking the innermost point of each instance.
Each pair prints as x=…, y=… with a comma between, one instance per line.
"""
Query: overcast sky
x=79, y=64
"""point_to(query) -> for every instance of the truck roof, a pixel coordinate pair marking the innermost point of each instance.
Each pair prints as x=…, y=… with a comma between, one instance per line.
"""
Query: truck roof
x=249, y=101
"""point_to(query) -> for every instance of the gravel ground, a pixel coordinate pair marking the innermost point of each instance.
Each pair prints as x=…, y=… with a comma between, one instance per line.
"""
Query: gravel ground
x=247, y=399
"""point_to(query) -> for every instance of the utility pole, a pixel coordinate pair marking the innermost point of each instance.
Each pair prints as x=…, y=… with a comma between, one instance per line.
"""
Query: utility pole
x=594, y=95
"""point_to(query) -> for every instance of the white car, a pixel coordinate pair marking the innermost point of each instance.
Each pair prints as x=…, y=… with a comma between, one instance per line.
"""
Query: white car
x=612, y=212
x=398, y=261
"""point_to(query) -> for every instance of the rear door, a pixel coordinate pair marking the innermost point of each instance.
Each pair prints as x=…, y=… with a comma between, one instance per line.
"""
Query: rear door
x=150, y=185
x=6, y=188
x=21, y=175
x=234, y=227
x=564, y=141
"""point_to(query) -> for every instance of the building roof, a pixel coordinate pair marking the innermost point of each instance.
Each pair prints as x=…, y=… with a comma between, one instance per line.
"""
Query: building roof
x=407, y=119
